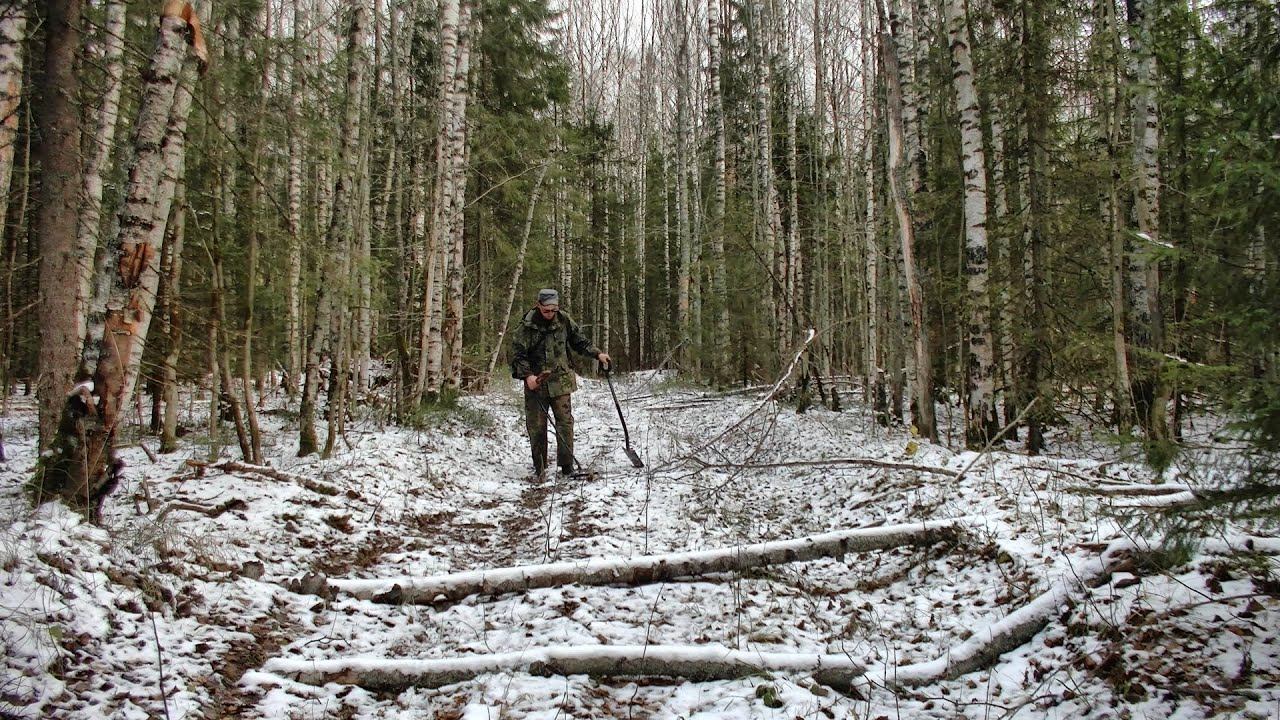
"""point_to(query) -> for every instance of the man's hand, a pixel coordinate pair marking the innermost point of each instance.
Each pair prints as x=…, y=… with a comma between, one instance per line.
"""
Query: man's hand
x=605, y=360
x=531, y=382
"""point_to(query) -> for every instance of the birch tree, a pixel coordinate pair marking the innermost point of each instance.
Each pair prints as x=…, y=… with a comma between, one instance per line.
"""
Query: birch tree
x=13, y=30
x=719, y=195
x=980, y=413
x=333, y=285
x=922, y=382
x=1145, y=325
x=82, y=465
x=90, y=218
x=439, y=242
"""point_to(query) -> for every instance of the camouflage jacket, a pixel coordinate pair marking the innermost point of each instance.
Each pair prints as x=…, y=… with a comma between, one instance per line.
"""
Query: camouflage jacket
x=538, y=345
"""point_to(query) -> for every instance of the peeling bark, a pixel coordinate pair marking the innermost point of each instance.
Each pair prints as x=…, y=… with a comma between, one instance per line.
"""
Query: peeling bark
x=82, y=465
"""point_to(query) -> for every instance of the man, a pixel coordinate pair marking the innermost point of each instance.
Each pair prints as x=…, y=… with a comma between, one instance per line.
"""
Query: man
x=540, y=359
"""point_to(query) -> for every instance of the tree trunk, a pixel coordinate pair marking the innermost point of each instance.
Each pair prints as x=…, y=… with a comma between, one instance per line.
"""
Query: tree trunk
x=332, y=299
x=923, y=380
x=89, y=228
x=222, y=348
x=769, y=216
x=341, y=233
x=1145, y=322
x=1032, y=161
x=876, y=396
x=13, y=31
x=54, y=228
x=696, y=663
x=171, y=316
x=293, y=282
x=979, y=399
x=430, y=348
x=82, y=465
x=719, y=294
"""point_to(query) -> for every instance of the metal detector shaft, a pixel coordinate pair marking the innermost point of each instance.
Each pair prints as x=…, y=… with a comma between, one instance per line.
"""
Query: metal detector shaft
x=626, y=436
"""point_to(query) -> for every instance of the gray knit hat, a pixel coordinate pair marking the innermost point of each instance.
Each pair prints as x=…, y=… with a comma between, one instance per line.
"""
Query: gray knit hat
x=547, y=296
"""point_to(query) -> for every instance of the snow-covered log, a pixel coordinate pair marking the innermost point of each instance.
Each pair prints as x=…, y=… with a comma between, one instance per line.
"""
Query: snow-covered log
x=693, y=663
x=1018, y=627
x=643, y=569
x=831, y=462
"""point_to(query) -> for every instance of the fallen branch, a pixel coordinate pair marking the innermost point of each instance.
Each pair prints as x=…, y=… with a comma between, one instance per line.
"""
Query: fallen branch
x=1017, y=628
x=213, y=512
x=996, y=438
x=270, y=472
x=693, y=663
x=643, y=569
x=827, y=462
x=1124, y=490
x=773, y=392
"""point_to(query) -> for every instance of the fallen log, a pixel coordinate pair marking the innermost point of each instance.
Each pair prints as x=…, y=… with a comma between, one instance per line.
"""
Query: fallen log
x=643, y=569
x=696, y=663
x=270, y=472
x=1111, y=489
x=985, y=646
x=830, y=462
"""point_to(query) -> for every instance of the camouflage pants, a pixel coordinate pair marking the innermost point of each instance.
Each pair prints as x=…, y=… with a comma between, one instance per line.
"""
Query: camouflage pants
x=535, y=421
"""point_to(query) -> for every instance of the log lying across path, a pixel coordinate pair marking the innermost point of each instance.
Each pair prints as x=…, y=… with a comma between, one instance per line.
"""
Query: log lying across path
x=646, y=568
x=1017, y=628
x=702, y=663
x=698, y=663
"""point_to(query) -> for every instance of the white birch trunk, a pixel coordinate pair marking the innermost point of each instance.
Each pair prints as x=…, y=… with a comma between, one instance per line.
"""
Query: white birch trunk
x=172, y=317
x=1145, y=324
x=327, y=331
x=795, y=276
x=458, y=155
x=89, y=226
x=874, y=382
x=82, y=459
x=439, y=239
x=13, y=31
x=719, y=298
x=684, y=235
x=646, y=568
x=980, y=416
x=293, y=276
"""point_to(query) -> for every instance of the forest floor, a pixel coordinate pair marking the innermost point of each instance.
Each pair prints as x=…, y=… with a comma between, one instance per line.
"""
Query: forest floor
x=183, y=602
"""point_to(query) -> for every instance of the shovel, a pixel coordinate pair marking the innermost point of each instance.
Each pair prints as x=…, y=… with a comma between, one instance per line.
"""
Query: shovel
x=626, y=437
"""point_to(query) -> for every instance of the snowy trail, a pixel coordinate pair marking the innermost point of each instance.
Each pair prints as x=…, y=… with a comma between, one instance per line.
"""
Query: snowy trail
x=455, y=496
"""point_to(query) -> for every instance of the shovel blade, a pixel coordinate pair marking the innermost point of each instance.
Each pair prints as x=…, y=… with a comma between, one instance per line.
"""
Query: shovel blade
x=635, y=459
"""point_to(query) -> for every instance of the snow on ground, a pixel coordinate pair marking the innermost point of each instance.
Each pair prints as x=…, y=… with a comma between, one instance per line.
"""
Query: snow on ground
x=166, y=612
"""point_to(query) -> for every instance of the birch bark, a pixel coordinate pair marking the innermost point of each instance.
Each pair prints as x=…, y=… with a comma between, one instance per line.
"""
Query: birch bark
x=1145, y=323
x=922, y=385
x=82, y=463
x=980, y=416
x=333, y=287
x=719, y=298
x=89, y=227
x=13, y=30
x=459, y=151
